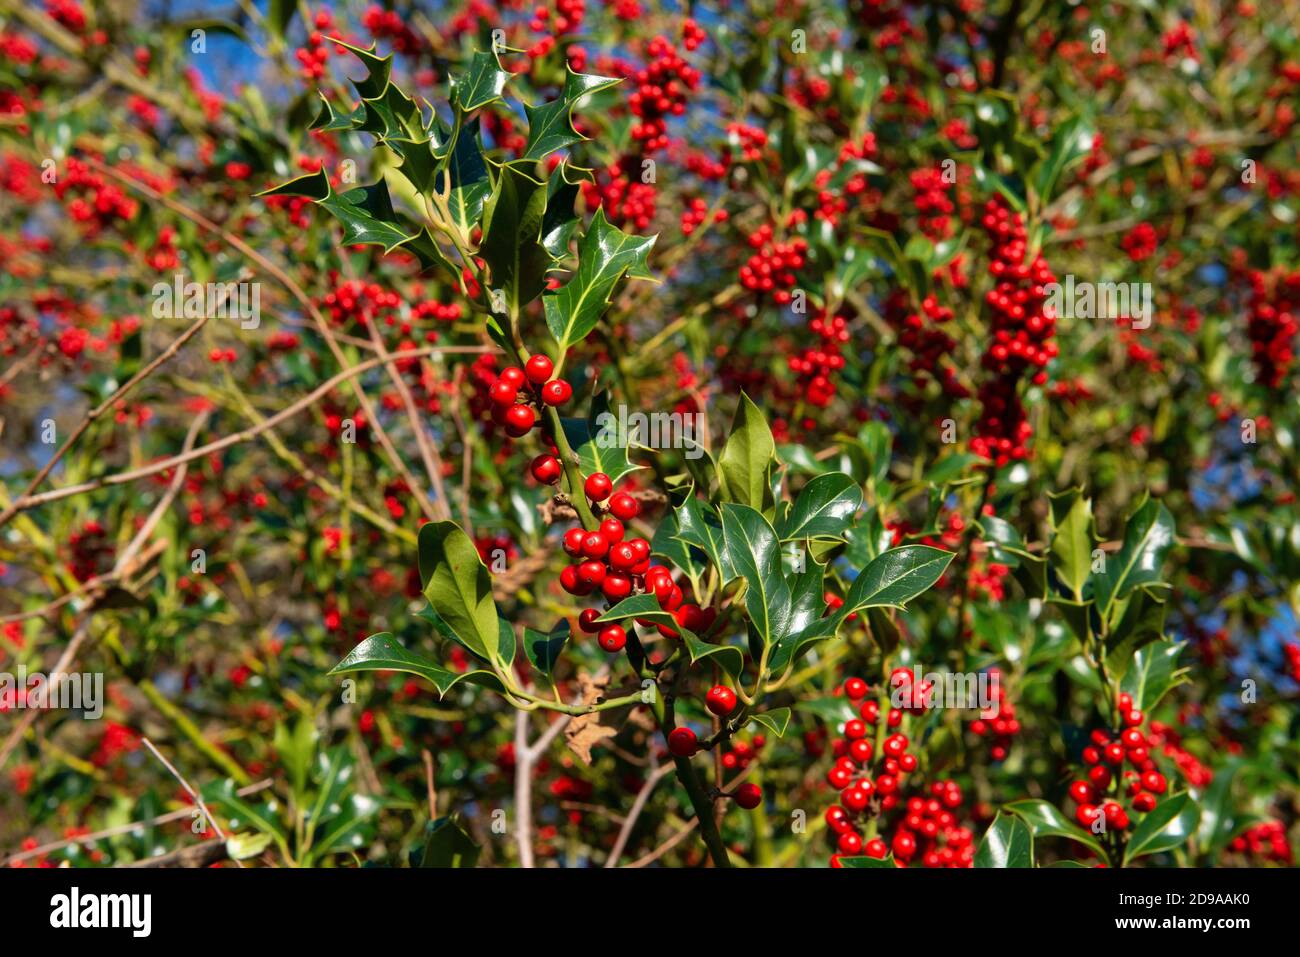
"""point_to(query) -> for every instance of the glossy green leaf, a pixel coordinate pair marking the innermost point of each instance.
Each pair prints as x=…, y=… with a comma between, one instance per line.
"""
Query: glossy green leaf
x=824, y=509
x=747, y=459
x=754, y=553
x=1046, y=820
x=550, y=126
x=605, y=255
x=864, y=861
x=1007, y=843
x=458, y=586
x=896, y=577
x=383, y=652
x=1147, y=538
x=544, y=649
x=1072, y=540
x=775, y=720
x=1169, y=825
x=512, y=236
x=1154, y=673
x=482, y=83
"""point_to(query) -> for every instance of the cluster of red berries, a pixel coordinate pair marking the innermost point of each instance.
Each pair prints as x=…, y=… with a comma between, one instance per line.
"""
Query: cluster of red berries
x=387, y=25
x=313, y=57
x=751, y=140
x=662, y=87
x=1108, y=779
x=772, y=267
x=95, y=202
x=627, y=200
x=569, y=15
x=816, y=364
x=535, y=384
x=1002, y=726
x=697, y=210
x=1022, y=341
x=692, y=34
x=870, y=783
x=1272, y=325
x=933, y=205
x=1264, y=842
x=924, y=338
x=742, y=754
x=1140, y=242
x=619, y=567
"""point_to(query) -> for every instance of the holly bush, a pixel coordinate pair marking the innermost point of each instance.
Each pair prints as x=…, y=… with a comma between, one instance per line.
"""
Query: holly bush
x=626, y=434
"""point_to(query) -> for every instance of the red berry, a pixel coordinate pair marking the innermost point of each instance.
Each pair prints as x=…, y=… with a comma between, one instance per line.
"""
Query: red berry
x=682, y=742
x=721, y=700
x=546, y=469
x=587, y=620
x=612, y=529
x=538, y=369
x=503, y=392
x=616, y=587
x=622, y=557
x=855, y=689
x=749, y=796
x=598, y=486
x=594, y=545
x=850, y=844
x=512, y=375
x=624, y=506
x=573, y=541
x=613, y=639
x=591, y=573
x=519, y=419
x=557, y=392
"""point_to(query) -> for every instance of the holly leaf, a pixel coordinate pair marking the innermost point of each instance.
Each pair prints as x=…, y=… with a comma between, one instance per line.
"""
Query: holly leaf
x=512, y=236
x=895, y=578
x=1153, y=674
x=597, y=441
x=754, y=553
x=1147, y=538
x=550, y=126
x=775, y=720
x=1168, y=825
x=543, y=649
x=1046, y=820
x=823, y=509
x=1072, y=539
x=746, y=462
x=1007, y=843
x=383, y=652
x=482, y=83
x=605, y=254
x=459, y=588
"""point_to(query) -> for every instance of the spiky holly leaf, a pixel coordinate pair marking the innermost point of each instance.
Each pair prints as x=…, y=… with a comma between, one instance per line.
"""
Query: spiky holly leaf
x=550, y=126
x=328, y=121
x=561, y=220
x=512, y=235
x=605, y=254
x=367, y=216
x=470, y=184
x=379, y=69
x=481, y=84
